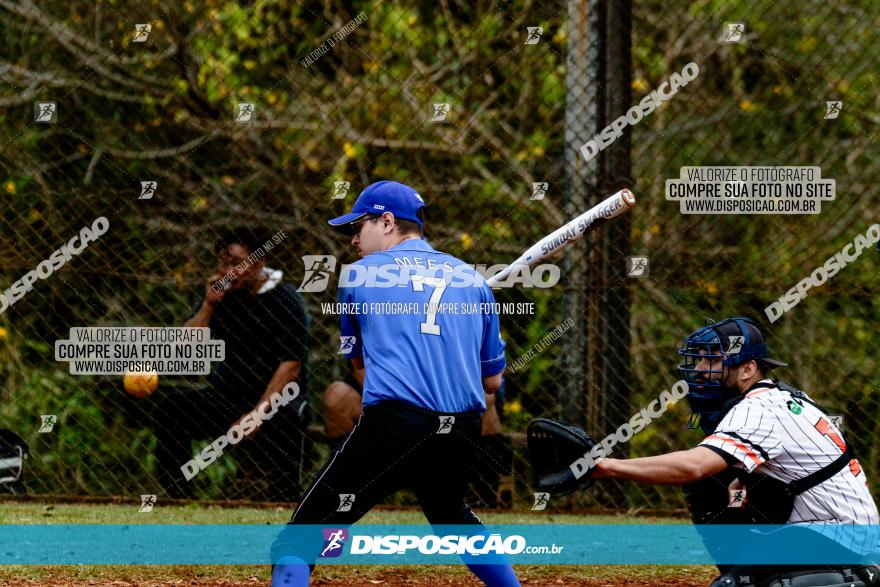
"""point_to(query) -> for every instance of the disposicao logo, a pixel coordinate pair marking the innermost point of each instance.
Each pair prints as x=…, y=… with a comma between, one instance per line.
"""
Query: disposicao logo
x=334, y=541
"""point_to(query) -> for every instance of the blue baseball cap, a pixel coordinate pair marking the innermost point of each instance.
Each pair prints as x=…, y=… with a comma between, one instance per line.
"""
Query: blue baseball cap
x=383, y=196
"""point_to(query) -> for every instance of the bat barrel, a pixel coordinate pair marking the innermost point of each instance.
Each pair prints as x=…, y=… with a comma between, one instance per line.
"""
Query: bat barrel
x=612, y=207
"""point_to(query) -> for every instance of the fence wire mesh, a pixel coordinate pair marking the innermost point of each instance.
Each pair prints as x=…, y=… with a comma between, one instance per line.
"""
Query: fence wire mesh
x=274, y=115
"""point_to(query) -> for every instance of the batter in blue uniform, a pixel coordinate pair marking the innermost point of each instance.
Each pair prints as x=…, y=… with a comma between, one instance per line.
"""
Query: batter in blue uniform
x=421, y=323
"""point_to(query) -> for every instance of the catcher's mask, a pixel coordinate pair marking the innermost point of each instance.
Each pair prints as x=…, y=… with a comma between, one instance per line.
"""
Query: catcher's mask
x=734, y=341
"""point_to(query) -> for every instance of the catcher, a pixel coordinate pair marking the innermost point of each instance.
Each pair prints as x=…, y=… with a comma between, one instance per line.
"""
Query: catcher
x=770, y=456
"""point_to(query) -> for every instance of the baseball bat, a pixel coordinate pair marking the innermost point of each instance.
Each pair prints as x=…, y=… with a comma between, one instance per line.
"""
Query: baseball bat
x=611, y=207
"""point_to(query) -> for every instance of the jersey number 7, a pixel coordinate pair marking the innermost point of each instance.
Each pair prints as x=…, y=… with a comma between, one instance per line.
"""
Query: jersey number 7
x=430, y=326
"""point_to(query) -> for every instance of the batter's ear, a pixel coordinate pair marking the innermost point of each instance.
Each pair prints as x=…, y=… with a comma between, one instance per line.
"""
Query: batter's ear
x=388, y=222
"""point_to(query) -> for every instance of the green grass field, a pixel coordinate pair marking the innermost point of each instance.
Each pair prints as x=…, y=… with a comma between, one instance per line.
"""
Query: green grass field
x=230, y=575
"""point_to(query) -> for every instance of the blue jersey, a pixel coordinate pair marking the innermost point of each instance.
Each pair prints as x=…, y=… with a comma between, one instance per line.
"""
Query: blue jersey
x=426, y=339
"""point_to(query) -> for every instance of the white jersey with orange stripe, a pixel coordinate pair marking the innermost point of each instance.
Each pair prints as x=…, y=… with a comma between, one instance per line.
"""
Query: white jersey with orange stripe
x=790, y=439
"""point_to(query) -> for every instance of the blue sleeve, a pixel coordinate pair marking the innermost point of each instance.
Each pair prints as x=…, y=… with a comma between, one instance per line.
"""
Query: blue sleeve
x=492, y=361
x=348, y=324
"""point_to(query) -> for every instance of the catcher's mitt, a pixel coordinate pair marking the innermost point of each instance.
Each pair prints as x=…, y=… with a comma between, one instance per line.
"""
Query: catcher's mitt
x=553, y=446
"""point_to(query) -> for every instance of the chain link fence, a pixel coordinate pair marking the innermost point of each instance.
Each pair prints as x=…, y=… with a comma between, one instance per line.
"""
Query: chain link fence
x=274, y=115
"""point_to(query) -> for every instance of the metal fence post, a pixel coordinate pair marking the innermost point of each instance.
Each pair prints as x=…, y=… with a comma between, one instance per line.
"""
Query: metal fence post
x=614, y=297
x=584, y=117
x=598, y=91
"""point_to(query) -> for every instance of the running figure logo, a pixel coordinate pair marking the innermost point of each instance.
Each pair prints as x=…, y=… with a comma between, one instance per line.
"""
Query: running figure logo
x=148, y=188
x=735, y=32
x=334, y=540
x=446, y=423
x=541, y=501
x=736, y=345
x=737, y=498
x=346, y=500
x=534, y=35
x=147, y=503
x=832, y=109
x=636, y=266
x=440, y=111
x=319, y=268
x=47, y=423
x=539, y=190
x=340, y=189
x=45, y=112
x=141, y=32
x=346, y=344
x=245, y=112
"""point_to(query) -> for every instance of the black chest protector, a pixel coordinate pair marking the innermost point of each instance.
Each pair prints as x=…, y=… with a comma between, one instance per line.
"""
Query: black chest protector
x=765, y=500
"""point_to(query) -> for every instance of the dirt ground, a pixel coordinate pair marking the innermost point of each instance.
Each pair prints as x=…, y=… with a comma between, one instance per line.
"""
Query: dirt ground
x=387, y=582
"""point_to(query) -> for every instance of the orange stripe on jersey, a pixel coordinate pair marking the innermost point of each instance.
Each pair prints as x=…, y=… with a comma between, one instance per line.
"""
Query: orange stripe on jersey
x=749, y=452
x=855, y=467
x=760, y=391
x=825, y=428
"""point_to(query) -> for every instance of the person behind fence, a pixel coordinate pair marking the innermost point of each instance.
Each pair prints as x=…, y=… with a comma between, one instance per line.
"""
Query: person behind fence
x=770, y=456
x=341, y=408
x=265, y=327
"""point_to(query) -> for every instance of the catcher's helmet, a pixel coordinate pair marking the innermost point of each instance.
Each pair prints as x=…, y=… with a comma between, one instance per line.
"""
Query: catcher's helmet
x=734, y=341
